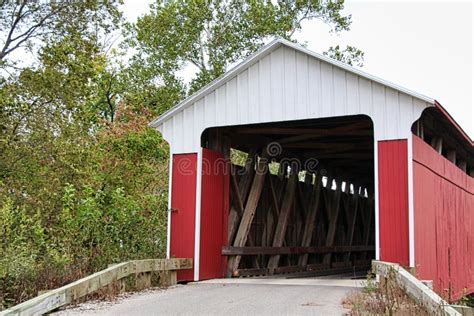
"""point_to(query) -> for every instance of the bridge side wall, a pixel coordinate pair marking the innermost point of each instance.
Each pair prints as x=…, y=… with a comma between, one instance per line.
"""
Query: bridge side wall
x=444, y=222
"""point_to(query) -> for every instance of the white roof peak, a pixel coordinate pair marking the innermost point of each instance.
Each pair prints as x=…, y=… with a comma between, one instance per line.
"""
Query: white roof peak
x=262, y=52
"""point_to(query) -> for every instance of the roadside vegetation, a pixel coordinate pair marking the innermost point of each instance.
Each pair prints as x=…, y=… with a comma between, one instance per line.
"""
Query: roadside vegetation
x=466, y=300
x=388, y=296
x=382, y=298
x=83, y=180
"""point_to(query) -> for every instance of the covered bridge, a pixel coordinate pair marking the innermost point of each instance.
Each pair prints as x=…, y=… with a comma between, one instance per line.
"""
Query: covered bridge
x=340, y=167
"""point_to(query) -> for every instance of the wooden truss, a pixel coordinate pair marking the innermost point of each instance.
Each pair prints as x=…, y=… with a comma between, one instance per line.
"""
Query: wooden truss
x=296, y=221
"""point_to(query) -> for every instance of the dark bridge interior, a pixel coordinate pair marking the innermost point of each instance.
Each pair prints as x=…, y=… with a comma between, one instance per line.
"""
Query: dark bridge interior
x=301, y=195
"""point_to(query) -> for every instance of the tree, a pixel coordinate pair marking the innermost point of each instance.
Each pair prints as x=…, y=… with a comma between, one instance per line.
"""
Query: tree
x=82, y=180
x=64, y=73
x=28, y=24
x=212, y=35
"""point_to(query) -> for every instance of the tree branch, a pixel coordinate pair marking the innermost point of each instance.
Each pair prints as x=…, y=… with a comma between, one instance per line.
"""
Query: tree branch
x=35, y=26
x=27, y=35
x=109, y=96
x=15, y=22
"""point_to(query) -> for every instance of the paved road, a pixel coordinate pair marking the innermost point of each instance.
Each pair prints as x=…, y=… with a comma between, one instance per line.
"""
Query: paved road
x=233, y=297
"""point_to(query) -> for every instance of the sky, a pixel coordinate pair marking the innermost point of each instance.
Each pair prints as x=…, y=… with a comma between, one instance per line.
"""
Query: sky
x=424, y=46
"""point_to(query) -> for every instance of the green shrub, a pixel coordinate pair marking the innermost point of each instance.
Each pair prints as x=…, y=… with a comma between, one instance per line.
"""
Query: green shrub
x=73, y=207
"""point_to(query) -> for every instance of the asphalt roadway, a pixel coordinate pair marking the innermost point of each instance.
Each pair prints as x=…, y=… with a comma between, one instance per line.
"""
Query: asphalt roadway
x=308, y=296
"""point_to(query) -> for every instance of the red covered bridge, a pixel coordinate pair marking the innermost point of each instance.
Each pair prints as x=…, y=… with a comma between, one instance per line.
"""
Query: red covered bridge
x=337, y=167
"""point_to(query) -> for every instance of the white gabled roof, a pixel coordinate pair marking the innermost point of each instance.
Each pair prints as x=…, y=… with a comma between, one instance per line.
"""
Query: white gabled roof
x=265, y=50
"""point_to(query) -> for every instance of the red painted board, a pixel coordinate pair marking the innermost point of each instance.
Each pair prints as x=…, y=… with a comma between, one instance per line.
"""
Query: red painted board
x=214, y=207
x=183, y=210
x=393, y=201
x=443, y=198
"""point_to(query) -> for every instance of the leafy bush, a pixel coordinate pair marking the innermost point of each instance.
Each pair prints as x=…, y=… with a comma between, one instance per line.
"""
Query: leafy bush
x=80, y=203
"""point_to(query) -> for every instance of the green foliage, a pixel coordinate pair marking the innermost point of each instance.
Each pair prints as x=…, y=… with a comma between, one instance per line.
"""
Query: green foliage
x=370, y=284
x=350, y=55
x=213, y=35
x=27, y=25
x=77, y=212
x=466, y=299
x=83, y=180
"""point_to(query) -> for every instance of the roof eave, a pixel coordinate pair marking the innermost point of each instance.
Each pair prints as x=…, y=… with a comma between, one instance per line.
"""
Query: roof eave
x=453, y=122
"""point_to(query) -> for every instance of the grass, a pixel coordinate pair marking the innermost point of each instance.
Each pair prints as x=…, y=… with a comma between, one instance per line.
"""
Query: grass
x=382, y=298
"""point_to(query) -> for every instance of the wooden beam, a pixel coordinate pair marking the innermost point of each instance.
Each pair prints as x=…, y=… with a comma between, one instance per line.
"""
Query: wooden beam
x=437, y=144
x=288, y=269
x=321, y=154
x=352, y=221
x=283, y=219
x=462, y=164
x=253, y=251
x=352, y=128
x=368, y=222
x=333, y=220
x=420, y=130
x=249, y=212
x=311, y=218
x=271, y=212
x=301, y=211
x=309, y=138
x=269, y=230
x=305, y=195
x=451, y=156
x=244, y=187
x=240, y=209
x=236, y=194
x=328, y=194
x=435, y=126
x=246, y=142
x=274, y=198
x=250, y=272
x=318, y=267
x=349, y=146
x=282, y=170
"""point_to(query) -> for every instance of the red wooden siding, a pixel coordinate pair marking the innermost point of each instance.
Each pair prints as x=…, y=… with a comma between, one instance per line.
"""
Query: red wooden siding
x=183, y=201
x=393, y=201
x=444, y=222
x=214, y=204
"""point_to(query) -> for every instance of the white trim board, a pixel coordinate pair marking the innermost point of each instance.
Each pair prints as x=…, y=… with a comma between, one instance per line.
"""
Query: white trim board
x=197, y=228
x=168, y=230
x=411, y=209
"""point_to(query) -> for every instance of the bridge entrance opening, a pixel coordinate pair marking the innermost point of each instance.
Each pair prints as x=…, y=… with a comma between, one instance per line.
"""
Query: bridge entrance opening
x=298, y=197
